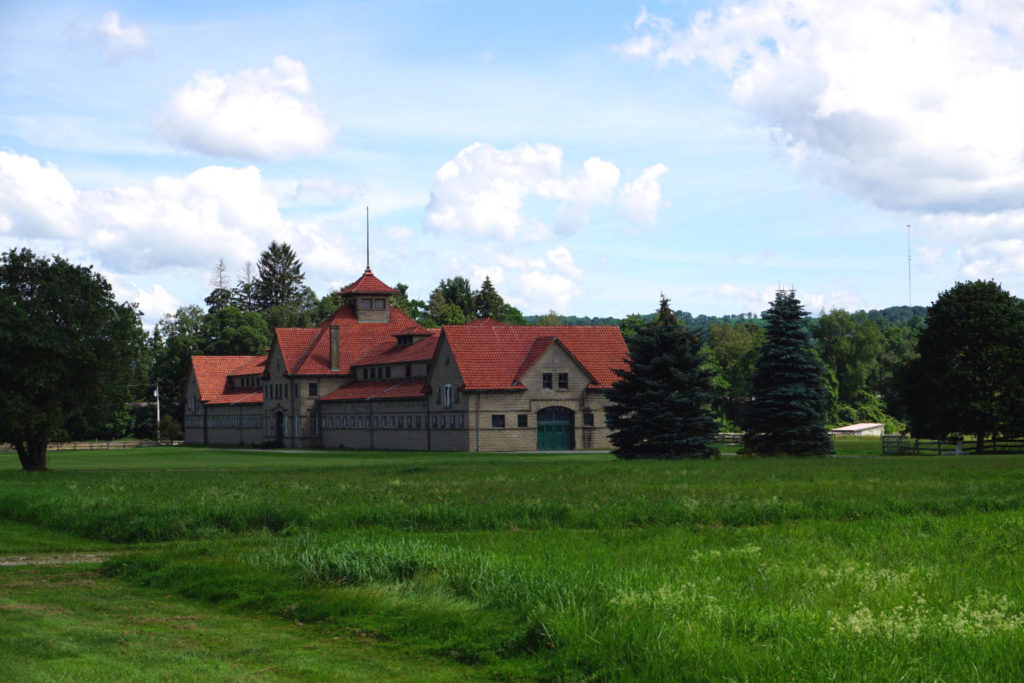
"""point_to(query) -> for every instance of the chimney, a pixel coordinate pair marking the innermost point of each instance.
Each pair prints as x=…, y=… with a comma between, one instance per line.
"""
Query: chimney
x=335, y=351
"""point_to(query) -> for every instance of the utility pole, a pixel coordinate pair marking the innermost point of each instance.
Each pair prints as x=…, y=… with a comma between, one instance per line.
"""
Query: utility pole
x=909, y=290
x=156, y=392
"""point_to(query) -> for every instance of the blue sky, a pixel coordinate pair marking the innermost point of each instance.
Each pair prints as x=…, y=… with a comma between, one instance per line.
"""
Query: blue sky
x=587, y=156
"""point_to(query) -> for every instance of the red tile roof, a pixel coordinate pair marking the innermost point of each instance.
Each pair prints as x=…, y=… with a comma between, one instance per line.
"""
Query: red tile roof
x=390, y=389
x=212, y=375
x=494, y=356
x=392, y=353
x=417, y=331
x=368, y=283
x=244, y=397
x=254, y=367
x=307, y=351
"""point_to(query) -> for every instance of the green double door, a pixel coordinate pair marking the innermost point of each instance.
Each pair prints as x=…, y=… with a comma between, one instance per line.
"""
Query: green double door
x=555, y=429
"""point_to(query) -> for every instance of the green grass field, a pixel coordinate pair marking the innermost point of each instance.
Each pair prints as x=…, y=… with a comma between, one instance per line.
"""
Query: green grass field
x=360, y=566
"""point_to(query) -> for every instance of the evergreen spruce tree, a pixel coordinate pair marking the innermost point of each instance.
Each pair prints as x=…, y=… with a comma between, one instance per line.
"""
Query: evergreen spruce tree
x=280, y=281
x=787, y=414
x=661, y=406
x=487, y=301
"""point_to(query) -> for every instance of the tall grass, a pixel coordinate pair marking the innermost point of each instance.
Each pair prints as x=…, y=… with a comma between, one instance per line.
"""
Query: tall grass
x=737, y=568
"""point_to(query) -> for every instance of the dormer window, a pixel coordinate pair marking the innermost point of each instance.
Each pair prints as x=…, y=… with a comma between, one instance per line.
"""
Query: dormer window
x=380, y=304
x=366, y=304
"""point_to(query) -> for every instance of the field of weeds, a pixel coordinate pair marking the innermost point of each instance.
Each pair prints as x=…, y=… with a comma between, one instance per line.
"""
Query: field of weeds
x=576, y=567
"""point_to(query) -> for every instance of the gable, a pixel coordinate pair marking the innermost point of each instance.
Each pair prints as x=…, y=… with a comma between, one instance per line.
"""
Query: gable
x=555, y=360
x=495, y=356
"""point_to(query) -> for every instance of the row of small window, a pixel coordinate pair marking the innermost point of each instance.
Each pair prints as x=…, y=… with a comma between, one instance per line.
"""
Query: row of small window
x=394, y=422
x=547, y=377
x=279, y=391
x=252, y=382
x=225, y=422
x=384, y=371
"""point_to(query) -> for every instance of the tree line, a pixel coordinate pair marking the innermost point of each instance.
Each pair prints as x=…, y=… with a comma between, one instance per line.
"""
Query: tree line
x=782, y=380
x=79, y=365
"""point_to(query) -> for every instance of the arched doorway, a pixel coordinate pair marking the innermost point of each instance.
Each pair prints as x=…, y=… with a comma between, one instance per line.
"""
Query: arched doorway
x=279, y=428
x=556, y=429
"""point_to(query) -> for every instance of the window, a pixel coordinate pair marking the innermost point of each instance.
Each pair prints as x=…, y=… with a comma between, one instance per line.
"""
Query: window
x=360, y=423
x=392, y=421
x=588, y=419
x=563, y=380
x=373, y=373
x=376, y=421
x=439, y=395
x=286, y=391
x=313, y=389
x=408, y=369
x=434, y=422
x=447, y=395
x=462, y=420
x=546, y=380
x=523, y=420
x=497, y=421
x=418, y=423
x=401, y=421
x=442, y=422
x=366, y=304
x=387, y=372
x=344, y=422
x=380, y=304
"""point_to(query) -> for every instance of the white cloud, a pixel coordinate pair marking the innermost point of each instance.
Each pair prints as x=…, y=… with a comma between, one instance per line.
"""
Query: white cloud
x=745, y=298
x=996, y=259
x=641, y=197
x=561, y=259
x=914, y=106
x=173, y=229
x=119, y=42
x=36, y=200
x=253, y=114
x=551, y=284
x=154, y=303
x=483, y=190
x=179, y=221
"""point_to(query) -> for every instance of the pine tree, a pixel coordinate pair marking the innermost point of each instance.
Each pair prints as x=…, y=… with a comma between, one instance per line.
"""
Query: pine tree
x=787, y=414
x=661, y=406
x=280, y=277
x=487, y=301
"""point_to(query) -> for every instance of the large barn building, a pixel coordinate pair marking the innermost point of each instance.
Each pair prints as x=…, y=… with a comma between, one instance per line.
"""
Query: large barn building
x=370, y=377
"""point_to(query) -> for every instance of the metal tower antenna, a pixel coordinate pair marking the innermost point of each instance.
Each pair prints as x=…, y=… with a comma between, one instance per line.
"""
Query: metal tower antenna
x=367, y=237
x=909, y=289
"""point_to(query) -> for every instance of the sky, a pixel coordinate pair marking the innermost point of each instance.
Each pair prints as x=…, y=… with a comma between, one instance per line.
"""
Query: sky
x=588, y=157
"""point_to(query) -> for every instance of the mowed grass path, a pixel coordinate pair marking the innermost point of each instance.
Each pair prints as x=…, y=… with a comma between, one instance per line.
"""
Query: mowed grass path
x=570, y=566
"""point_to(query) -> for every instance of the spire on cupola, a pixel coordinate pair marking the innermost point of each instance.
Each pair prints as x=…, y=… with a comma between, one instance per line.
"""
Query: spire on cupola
x=369, y=296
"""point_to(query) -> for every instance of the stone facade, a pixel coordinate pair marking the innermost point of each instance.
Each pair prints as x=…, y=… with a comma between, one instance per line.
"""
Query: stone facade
x=371, y=378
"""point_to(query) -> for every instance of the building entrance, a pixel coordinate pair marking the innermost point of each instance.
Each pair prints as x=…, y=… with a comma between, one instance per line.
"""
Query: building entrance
x=555, y=429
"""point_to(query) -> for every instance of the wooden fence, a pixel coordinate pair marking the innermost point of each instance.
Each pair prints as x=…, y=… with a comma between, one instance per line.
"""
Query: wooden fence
x=905, y=445
x=95, y=445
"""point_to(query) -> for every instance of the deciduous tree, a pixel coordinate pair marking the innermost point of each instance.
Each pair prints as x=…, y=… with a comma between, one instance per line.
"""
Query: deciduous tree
x=69, y=350
x=969, y=376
